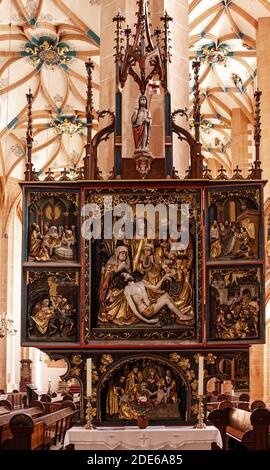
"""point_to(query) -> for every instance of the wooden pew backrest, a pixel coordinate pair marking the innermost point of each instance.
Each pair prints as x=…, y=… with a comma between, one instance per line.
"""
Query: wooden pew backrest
x=32, y=436
x=5, y=406
x=240, y=420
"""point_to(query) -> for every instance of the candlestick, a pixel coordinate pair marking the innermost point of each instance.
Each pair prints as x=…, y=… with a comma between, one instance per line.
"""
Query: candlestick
x=201, y=375
x=89, y=377
x=89, y=414
x=200, y=417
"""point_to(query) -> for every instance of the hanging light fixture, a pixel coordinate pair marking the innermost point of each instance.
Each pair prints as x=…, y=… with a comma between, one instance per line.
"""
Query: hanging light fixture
x=6, y=326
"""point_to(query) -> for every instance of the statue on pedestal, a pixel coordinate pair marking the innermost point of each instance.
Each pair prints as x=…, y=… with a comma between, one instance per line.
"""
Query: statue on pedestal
x=141, y=123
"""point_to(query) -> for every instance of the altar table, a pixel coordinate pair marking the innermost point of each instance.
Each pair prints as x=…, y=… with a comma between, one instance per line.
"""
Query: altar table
x=151, y=438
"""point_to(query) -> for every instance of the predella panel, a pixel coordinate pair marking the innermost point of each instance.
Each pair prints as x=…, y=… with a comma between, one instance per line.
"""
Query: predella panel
x=145, y=387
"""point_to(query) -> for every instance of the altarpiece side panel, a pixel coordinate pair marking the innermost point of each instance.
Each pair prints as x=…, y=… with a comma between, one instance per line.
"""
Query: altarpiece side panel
x=234, y=224
x=236, y=304
x=52, y=307
x=144, y=288
x=53, y=227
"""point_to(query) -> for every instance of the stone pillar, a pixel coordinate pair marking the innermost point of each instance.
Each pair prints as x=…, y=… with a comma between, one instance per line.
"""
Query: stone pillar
x=256, y=372
x=26, y=374
x=240, y=142
x=179, y=75
x=8, y=195
x=179, y=78
x=263, y=70
x=3, y=293
x=26, y=369
x=107, y=75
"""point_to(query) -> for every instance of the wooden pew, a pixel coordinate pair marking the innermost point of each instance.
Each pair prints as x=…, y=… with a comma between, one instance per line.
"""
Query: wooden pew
x=57, y=424
x=35, y=410
x=45, y=398
x=257, y=404
x=55, y=404
x=40, y=433
x=249, y=429
x=5, y=407
x=16, y=398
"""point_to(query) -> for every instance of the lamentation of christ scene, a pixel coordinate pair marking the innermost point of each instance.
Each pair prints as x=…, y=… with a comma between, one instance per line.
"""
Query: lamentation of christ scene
x=146, y=282
x=138, y=300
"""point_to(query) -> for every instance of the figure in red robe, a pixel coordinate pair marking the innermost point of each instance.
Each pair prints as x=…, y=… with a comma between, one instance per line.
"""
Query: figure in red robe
x=141, y=123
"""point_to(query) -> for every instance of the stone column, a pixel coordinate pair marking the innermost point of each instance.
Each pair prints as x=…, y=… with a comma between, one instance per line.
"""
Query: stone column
x=241, y=142
x=26, y=369
x=179, y=75
x=263, y=70
x=26, y=374
x=257, y=372
x=8, y=195
x=3, y=294
x=179, y=78
x=109, y=9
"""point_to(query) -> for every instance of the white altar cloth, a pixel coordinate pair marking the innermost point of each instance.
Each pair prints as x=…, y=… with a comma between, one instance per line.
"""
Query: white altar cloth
x=151, y=438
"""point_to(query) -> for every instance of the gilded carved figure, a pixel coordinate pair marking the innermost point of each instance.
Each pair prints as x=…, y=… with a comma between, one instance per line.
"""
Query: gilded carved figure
x=235, y=304
x=142, y=281
x=145, y=277
x=52, y=307
x=234, y=225
x=53, y=232
x=154, y=382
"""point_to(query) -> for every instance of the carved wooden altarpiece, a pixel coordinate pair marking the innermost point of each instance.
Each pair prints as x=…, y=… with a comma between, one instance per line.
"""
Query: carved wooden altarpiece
x=81, y=298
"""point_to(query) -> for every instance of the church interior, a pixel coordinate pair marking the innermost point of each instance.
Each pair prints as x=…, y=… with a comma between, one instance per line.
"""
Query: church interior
x=134, y=225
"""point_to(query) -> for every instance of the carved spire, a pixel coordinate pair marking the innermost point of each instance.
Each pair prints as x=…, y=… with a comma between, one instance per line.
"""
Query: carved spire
x=196, y=65
x=237, y=174
x=197, y=167
x=257, y=171
x=29, y=138
x=79, y=174
x=49, y=176
x=64, y=176
x=222, y=174
x=207, y=173
x=88, y=169
x=119, y=19
x=166, y=19
x=142, y=53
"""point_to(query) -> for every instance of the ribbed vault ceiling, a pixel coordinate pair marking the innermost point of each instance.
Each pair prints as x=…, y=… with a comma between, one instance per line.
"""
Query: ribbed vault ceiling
x=223, y=34
x=44, y=44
